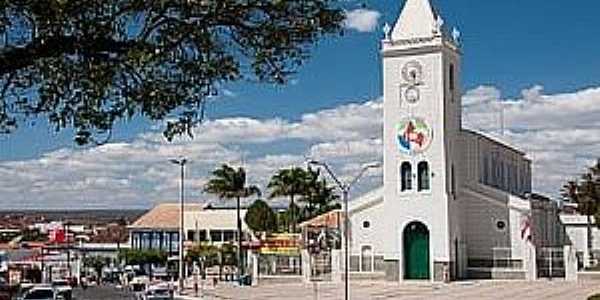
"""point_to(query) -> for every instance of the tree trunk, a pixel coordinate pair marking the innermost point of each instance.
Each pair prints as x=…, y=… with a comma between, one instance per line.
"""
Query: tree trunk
x=239, y=249
x=293, y=213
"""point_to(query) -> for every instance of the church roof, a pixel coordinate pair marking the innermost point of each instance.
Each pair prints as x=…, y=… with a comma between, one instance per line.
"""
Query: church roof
x=417, y=20
x=497, y=140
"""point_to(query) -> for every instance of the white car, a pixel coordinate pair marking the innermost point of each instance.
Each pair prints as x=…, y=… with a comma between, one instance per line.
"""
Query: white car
x=63, y=288
x=158, y=292
x=40, y=293
x=139, y=283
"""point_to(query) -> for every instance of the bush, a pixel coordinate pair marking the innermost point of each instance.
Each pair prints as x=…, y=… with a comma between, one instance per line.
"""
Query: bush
x=595, y=268
x=594, y=297
x=261, y=217
x=142, y=257
x=209, y=253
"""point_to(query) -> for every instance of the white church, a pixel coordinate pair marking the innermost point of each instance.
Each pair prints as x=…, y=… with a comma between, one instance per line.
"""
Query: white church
x=455, y=203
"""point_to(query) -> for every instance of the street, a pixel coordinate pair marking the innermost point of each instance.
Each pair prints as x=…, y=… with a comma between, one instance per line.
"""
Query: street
x=381, y=290
x=105, y=292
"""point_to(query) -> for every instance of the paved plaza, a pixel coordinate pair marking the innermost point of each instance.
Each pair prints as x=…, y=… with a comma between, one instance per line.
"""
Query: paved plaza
x=377, y=290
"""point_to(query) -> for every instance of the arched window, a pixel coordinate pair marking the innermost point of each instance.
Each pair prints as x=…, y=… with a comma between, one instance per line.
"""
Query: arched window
x=423, y=173
x=366, y=259
x=486, y=170
x=406, y=177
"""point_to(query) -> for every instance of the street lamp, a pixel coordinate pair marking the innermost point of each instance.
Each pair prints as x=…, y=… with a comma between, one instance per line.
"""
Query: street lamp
x=345, y=188
x=181, y=162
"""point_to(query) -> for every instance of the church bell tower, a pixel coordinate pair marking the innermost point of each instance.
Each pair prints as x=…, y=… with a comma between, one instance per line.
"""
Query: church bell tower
x=422, y=108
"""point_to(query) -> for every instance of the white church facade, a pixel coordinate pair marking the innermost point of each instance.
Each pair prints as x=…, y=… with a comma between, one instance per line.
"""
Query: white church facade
x=453, y=203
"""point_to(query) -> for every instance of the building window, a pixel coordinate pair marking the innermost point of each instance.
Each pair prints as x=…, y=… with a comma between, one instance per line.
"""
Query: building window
x=406, y=177
x=495, y=172
x=500, y=225
x=451, y=79
x=486, y=170
x=503, y=175
x=216, y=236
x=145, y=241
x=423, y=171
x=229, y=235
x=202, y=236
x=136, y=240
x=175, y=241
x=157, y=240
x=191, y=235
x=366, y=259
x=166, y=240
x=366, y=224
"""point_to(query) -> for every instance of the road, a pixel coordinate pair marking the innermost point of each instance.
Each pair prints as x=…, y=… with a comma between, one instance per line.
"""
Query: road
x=101, y=293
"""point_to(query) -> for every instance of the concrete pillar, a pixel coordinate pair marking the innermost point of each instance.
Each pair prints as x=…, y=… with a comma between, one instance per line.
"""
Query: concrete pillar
x=570, y=263
x=254, y=259
x=530, y=262
x=337, y=266
x=306, y=265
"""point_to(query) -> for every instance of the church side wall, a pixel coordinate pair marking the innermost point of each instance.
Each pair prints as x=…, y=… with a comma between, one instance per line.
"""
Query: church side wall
x=482, y=231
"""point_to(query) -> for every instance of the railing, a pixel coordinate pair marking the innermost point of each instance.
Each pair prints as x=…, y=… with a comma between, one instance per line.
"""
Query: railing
x=502, y=259
x=551, y=262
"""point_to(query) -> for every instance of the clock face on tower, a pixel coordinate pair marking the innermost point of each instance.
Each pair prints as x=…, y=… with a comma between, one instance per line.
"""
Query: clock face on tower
x=412, y=94
x=412, y=73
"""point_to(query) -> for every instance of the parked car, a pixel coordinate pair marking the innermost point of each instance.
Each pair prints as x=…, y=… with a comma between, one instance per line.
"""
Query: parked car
x=63, y=288
x=139, y=284
x=40, y=293
x=26, y=285
x=158, y=292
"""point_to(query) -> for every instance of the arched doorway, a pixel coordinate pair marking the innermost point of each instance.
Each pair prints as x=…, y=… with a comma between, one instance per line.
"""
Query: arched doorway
x=416, y=251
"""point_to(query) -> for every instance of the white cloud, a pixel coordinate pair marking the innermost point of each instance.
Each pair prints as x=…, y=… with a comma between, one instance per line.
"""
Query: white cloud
x=362, y=20
x=561, y=132
x=138, y=174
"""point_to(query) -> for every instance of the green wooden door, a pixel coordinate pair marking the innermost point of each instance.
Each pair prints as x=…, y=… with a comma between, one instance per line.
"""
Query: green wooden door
x=416, y=251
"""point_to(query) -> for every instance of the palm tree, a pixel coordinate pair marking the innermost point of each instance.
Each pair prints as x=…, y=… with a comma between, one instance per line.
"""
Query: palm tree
x=289, y=183
x=229, y=183
x=326, y=197
x=320, y=196
x=311, y=191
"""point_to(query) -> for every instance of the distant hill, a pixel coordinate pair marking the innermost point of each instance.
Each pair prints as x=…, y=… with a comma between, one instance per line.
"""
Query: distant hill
x=100, y=216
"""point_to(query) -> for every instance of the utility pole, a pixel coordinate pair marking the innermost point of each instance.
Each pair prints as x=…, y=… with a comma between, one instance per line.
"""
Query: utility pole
x=345, y=188
x=181, y=162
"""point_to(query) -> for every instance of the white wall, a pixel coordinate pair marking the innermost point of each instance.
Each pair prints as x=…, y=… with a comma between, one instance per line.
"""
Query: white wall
x=430, y=207
x=368, y=236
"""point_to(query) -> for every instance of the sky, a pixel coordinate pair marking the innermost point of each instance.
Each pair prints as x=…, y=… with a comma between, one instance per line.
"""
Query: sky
x=537, y=59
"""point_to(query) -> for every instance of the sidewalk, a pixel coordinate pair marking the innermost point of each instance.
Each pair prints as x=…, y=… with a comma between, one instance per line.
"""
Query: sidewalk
x=475, y=290
x=209, y=291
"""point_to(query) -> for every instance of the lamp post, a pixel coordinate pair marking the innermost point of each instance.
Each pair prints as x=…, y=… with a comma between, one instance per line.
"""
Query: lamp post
x=345, y=187
x=181, y=162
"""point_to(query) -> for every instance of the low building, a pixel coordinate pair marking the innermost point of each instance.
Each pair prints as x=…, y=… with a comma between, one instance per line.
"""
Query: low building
x=159, y=228
x=586, y=245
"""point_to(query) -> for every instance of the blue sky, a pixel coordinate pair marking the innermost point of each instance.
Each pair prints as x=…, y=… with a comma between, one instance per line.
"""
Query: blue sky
x=509, y=44
x=509, y=47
